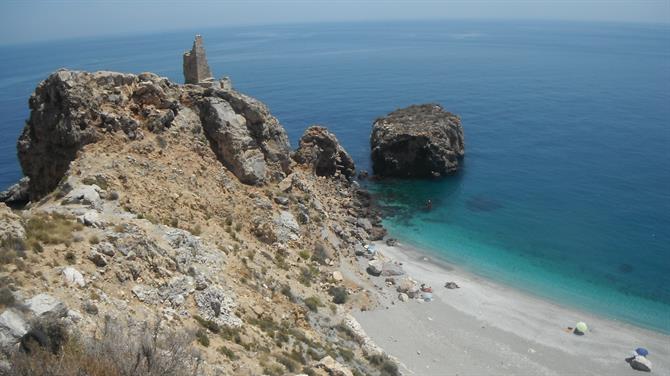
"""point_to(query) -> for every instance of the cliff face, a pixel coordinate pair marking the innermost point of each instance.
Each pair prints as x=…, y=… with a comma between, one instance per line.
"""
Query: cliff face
x=71, y=109
x=417, y=141
x=157, y=202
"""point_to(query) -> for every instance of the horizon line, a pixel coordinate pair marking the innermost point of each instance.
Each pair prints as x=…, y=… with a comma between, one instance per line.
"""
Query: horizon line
x=291, y=23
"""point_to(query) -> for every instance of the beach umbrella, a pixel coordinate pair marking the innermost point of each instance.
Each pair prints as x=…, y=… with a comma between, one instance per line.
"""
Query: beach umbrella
x=581, y=326
x=642, y=351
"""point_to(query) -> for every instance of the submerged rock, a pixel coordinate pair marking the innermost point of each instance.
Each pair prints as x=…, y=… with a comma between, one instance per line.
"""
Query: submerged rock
x=417, y=141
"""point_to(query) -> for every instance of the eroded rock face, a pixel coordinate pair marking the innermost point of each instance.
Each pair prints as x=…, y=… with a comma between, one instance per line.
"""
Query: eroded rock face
x=245, y=136
x=71, y=109
x=321, y=149
x=196, y=69
x=417, y=141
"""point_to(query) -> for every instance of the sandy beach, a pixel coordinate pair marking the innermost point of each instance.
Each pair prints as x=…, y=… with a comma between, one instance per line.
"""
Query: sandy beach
x=484, y=328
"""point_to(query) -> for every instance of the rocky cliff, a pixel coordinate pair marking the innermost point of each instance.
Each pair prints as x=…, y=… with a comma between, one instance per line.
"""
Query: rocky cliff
x=417, y=141
x=169, y=222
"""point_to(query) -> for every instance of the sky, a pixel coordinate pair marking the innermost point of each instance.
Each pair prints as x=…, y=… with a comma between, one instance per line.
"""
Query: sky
x=40, y=20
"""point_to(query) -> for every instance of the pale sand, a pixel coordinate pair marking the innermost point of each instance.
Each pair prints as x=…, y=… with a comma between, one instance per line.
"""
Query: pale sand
x=488, y=329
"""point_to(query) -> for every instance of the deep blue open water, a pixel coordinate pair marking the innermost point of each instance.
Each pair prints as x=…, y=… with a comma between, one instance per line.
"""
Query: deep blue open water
x=565, y=190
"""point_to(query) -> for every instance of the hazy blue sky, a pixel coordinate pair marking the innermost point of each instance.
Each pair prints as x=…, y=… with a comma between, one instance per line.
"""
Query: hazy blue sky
x=29, y=20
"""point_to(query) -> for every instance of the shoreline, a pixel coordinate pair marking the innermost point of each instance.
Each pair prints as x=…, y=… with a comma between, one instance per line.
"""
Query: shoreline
x=484, y=327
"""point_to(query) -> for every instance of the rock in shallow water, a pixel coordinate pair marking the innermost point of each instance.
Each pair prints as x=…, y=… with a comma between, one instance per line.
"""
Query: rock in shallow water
x=417, y=141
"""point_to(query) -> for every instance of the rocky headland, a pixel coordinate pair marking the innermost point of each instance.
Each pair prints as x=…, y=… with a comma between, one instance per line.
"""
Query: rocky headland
x=417, y=142
x=173, y=225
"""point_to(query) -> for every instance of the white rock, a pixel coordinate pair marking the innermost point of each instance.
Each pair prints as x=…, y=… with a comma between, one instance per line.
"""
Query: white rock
x=72, y=276
x=45, y=304
x=12, y=327
x=85, y=195
x=337, y=276
x=91, y=219
x=375, y=267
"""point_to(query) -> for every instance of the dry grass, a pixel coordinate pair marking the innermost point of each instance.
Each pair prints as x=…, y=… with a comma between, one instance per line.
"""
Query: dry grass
x=50, y=229
x=116, y=350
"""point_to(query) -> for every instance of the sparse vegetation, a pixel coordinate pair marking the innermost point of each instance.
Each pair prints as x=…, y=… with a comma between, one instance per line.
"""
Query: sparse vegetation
x=304, y=255
x=290, y=364
x=386, y=366
x=70, y=257
x=97, y=180
x=50, y=229
x=308, y=275
x=202, y=337
x=6, y=297
x=313, y=303
x=339, y=294
x=12, y=251
x=115, y=350
x=94, y=239
x=320, y=253
x=286, y=291
x=227, y=352
x=208, y=324
x=230, y=334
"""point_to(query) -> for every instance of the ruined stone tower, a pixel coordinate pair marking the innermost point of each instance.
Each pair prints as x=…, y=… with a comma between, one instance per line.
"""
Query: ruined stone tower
x=196, y=69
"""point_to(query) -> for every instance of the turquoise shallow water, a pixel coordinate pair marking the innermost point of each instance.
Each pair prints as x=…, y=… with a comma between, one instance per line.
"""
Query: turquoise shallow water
x=566, y=181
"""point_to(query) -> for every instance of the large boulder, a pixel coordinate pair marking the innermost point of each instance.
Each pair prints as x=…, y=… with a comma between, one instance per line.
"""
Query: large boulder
x=42, y=305
x=246, y=138
x=417, y=141
x=215, y=304
x=320, y=149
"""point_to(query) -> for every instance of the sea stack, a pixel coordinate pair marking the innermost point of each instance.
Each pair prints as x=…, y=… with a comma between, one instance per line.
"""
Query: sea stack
x=196, y=69
x=417, y=142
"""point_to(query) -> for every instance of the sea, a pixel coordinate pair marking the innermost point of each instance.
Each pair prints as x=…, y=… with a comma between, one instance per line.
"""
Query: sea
x=564, y=190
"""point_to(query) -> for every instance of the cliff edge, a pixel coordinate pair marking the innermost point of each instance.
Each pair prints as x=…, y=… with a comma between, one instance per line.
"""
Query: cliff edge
x=169, y=224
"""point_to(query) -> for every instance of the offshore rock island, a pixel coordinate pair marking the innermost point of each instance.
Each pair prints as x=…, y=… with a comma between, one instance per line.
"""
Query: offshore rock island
x=418, y=141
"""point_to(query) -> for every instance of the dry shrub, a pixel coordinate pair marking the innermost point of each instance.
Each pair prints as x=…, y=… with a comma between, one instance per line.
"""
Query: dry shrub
x=116, y=350
x=50, y=229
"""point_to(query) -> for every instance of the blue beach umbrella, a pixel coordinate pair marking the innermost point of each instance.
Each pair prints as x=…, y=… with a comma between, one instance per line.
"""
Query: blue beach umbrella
x=642, y=351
